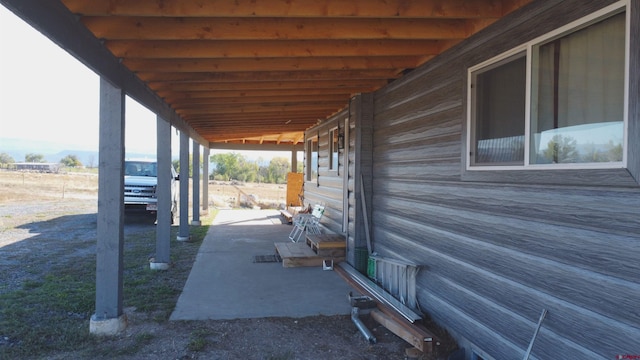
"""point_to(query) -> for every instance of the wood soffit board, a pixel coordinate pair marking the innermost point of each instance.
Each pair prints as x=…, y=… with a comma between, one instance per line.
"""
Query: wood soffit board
x=264, y=71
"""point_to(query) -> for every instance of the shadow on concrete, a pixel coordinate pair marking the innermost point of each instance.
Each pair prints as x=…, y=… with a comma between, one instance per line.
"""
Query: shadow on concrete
x=226, y=283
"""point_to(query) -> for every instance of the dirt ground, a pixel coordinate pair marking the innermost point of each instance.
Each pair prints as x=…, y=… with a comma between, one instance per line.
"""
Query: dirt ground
x=24, y=211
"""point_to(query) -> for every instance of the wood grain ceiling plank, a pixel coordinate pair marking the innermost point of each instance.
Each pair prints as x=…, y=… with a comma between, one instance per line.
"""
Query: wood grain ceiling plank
x=203, y=49
x=143, y=28
x=238, y=139
x=272, y=64
x=259, y=108
x=178, y=103
x=297, y=118
x=336, y=84
x=227, y=133
x=250, y=130
x=271, y=122
x=172, y=96
x=256, y=124
x=372, y=75
x=302, y=8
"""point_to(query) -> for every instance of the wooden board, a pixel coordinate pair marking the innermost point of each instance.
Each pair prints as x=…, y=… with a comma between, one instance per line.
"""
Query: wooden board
x=294, y=188
x=326, y=241
x=301, y=255
x=287, y=216
x=418, y=337
x=327, y=245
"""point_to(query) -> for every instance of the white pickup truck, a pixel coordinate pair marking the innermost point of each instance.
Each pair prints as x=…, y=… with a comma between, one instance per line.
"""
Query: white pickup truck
x=140, y=183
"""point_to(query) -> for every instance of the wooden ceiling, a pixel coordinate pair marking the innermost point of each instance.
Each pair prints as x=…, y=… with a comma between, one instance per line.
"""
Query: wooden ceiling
x=250, y=71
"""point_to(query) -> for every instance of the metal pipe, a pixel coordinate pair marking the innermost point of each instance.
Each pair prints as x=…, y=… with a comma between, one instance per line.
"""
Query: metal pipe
x=363, y=329
x=535, y=334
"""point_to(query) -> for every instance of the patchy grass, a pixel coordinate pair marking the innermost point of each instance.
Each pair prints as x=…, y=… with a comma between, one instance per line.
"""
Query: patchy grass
x=51, y=314
x=198, y=340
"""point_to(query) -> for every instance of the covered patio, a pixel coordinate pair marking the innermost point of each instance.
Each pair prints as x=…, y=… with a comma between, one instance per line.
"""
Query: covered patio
x=226, y=282
x=234, y=76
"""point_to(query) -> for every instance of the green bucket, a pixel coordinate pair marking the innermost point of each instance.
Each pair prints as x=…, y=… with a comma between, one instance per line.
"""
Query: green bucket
x=362, y=258
x=371, y=268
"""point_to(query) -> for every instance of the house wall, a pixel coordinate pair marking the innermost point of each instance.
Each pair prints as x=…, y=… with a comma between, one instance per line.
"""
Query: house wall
x=347, y=199
x=497, y=251
x=328, y=187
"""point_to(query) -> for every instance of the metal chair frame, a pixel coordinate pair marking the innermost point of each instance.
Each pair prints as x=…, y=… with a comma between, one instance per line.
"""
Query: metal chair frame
x=309, y=223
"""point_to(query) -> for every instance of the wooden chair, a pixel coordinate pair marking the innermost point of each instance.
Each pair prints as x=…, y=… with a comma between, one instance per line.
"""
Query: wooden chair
x=306, y=222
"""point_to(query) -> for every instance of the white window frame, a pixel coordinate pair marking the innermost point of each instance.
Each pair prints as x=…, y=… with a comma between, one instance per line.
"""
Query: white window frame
x=309, y=176
x=333, y=148
x=621, y=6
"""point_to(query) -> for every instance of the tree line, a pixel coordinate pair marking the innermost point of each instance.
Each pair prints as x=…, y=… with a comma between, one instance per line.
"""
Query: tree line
x=224, y=166
x=234, y=166
x=237, y=167
x=69, y=160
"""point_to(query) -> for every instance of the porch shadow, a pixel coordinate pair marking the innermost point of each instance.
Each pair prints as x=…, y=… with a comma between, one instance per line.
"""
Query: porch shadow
x=226, y=283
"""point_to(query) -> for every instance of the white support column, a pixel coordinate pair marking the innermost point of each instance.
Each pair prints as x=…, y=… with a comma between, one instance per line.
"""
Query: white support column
x=195, y=170
x=165, y=200
x=183, y=232
x=109, y=318
x=205, y=180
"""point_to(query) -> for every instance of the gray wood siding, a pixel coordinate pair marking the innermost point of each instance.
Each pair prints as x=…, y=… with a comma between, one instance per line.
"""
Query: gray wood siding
x=329, y=188
x=499, y=250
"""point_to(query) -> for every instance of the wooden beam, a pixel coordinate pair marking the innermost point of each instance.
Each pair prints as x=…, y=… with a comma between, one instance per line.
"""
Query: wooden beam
x=275, y=84
x=176, y=96
x=414, y=335
x=244, y=109
x=297, y=117
x=272, y=64
x=345, y=75
x=241, y=132
x=245, y=132
x=248, y=144
x=240, y=128
x=145, y=28
x=202, y=49
x=302, y=121
x=248, y=132
x=261, y=108
x=303, y=8
x=181, y=103
x=230, y=136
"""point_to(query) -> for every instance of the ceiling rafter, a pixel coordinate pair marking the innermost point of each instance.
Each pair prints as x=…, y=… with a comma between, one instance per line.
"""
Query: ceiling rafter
x=264, y=76
x=275, y=64
x=153, y=28
x=207, y=49
x=295, y=8
x=329, y=84
x=256, y=72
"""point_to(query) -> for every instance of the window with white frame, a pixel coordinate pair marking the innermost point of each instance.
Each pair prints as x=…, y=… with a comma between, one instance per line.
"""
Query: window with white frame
x=556, y=102
x=333, y=149
x=312, y=159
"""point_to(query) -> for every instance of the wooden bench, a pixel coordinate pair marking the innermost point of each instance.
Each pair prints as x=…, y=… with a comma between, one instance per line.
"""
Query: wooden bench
x=287, y=216
x=290, y=212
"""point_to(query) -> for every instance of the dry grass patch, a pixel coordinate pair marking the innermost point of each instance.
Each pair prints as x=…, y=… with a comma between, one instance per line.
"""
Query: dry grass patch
x=32, y=186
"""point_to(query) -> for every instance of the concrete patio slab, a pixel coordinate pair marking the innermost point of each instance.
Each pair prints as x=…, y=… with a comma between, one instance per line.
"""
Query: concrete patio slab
x=226, y=283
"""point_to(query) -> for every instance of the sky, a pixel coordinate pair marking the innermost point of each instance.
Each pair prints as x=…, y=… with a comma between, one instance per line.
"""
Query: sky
x=46, y=95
